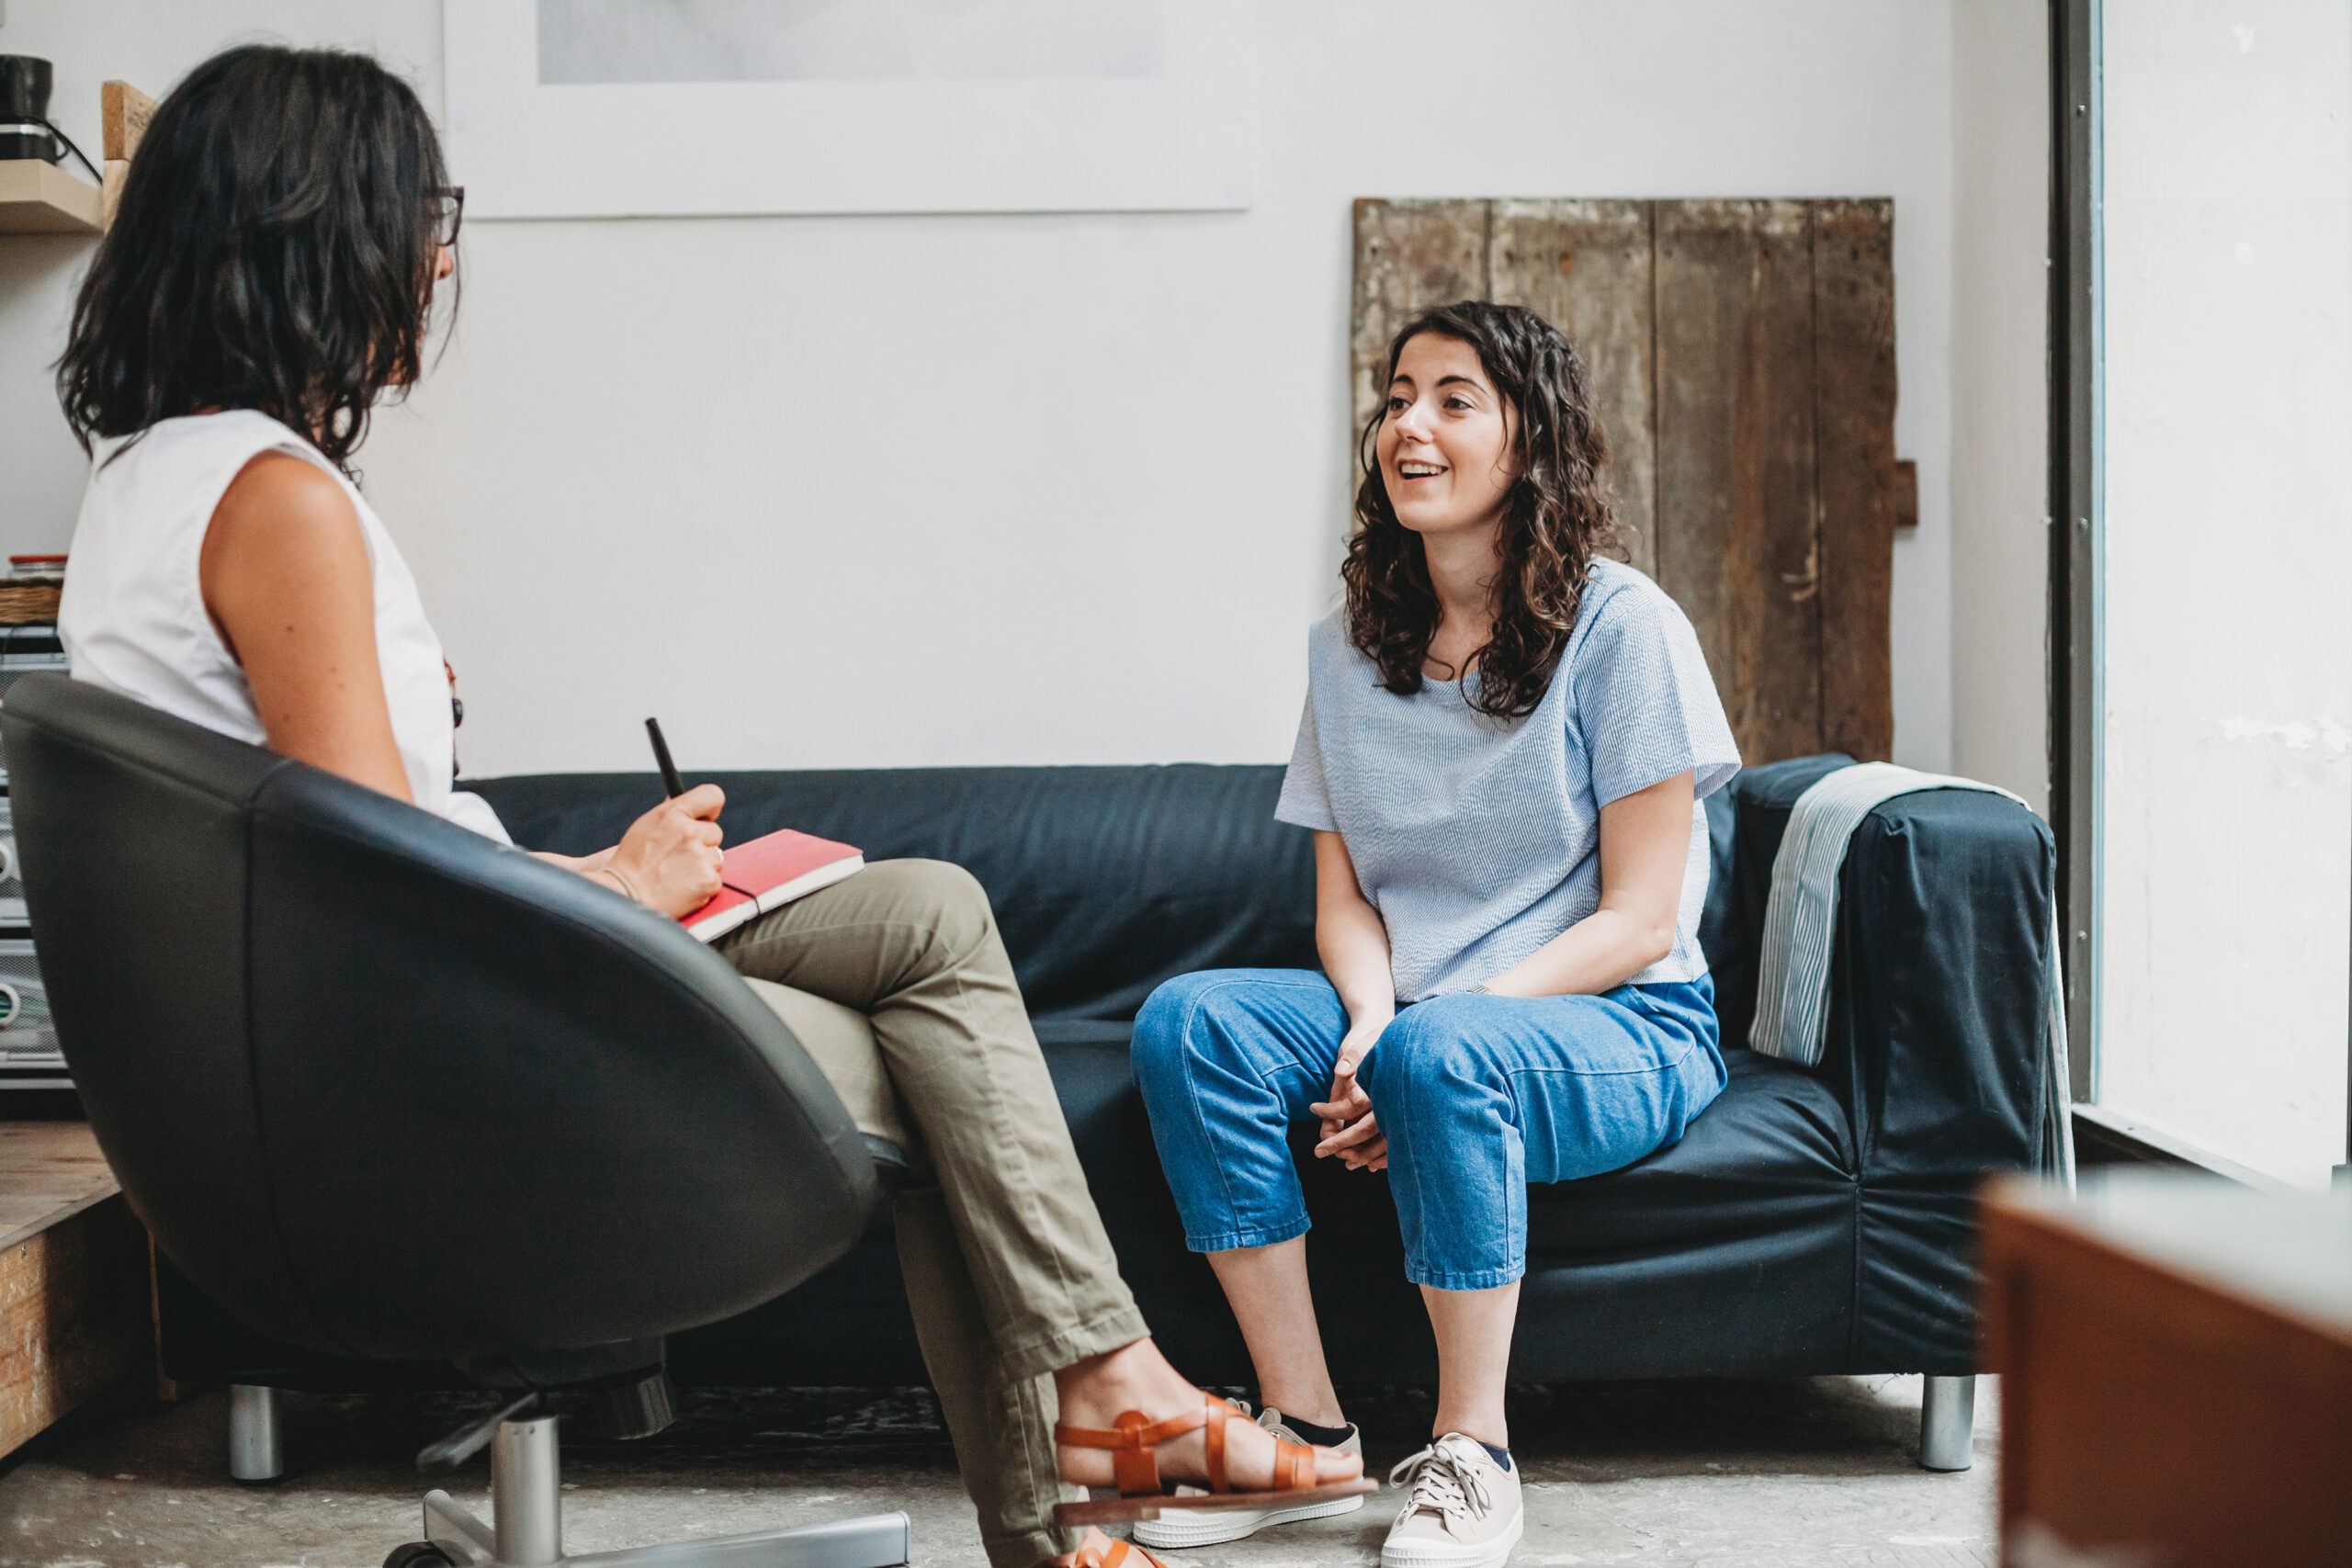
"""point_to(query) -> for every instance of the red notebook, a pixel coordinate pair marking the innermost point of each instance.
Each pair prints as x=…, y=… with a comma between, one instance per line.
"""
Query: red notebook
x=764, y=873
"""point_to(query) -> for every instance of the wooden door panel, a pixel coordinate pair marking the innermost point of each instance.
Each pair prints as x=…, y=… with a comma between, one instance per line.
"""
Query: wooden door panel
x=1708, y=291
x=1410, y=256
x=1779, y=650
x=1853, y=268
x=1587, y=268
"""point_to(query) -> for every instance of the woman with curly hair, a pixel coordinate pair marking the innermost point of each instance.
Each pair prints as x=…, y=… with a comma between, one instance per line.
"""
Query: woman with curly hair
x=1505, y=744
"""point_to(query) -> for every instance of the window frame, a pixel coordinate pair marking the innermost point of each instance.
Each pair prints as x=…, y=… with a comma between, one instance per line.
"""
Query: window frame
x=2076, y=523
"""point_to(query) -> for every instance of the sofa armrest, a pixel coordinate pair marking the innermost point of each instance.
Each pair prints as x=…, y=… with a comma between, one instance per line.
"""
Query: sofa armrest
x=1937, y=1010
x=1935, y=1032
x=1935, y=1003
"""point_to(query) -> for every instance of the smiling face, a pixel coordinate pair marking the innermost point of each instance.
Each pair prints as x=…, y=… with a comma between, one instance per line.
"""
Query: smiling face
x=1445, y=443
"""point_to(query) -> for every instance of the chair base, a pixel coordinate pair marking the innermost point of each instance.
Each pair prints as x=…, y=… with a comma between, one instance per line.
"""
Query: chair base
x=879, y=1541
x=527, y=1528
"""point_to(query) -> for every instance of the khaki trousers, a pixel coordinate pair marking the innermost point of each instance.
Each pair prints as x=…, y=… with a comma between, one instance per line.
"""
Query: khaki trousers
x=897, y=983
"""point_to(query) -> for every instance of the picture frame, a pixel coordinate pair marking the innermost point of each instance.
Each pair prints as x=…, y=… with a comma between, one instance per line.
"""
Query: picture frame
x=908, y=105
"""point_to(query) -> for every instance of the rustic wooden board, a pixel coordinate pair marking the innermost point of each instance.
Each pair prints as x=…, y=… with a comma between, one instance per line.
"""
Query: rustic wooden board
x=74, y=1289
x=1780, y=647
x=1708, y=287
x=1853, y=274
x=1586, y=266
x=1738, y=545
x=1410, y=256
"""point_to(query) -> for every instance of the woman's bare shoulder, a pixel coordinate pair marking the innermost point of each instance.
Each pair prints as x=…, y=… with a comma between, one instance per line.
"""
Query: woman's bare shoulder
x=280, y=505
x=284, y=534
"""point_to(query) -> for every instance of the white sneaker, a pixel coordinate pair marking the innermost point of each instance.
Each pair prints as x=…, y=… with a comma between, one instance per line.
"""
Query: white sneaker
x=1206, y=1526
x=1462, y=1512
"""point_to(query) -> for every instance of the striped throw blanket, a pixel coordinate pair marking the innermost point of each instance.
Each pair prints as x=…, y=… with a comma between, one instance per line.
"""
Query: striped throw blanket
x=1799, y=921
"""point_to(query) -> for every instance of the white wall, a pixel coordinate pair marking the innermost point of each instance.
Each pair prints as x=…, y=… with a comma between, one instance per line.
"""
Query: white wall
x=846, y=491
x=2000, y=405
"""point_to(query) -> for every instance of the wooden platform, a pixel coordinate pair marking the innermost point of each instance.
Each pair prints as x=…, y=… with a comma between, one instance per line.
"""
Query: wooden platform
x=74, y=1295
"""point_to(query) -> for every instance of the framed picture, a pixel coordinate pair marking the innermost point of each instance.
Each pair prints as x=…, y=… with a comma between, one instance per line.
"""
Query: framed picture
x=609, y=108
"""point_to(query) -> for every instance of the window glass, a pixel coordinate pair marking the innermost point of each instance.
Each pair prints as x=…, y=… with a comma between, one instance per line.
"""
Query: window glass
x=2225, y=784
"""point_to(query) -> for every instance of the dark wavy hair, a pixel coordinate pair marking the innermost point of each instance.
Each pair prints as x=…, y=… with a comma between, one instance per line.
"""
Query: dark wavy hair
x=274, y=250
x=1556, y=517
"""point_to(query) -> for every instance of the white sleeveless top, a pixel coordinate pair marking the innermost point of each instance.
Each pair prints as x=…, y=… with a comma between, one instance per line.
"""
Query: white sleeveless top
x=133, y=618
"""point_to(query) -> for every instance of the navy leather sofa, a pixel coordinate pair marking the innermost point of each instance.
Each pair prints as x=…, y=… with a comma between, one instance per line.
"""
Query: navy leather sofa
x=1812, y=1220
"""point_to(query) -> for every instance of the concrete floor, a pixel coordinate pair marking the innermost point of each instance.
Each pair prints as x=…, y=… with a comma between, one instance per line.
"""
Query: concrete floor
x=1759, y=1475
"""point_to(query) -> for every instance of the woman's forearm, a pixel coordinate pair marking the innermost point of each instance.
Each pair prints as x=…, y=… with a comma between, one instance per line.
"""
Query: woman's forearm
x=1350, y=936
x=597, y=868
x=1597, y=953
x=1354, y=946
x=1644, y=852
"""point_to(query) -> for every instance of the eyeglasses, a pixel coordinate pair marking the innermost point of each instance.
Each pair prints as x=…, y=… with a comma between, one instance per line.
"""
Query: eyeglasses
x=447, y=205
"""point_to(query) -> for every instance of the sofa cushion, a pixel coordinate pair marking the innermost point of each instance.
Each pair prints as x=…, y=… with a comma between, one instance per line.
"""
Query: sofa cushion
x=1773, y=1145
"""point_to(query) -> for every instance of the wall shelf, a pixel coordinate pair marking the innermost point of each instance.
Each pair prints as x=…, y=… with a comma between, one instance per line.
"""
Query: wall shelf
x=41, y=199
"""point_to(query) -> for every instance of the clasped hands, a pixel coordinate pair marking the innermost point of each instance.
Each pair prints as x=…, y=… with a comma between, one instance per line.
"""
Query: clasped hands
x=1350, y=1131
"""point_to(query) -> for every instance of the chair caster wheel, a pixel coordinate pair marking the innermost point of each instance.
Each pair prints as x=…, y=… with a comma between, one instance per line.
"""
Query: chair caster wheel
x=418, y=1554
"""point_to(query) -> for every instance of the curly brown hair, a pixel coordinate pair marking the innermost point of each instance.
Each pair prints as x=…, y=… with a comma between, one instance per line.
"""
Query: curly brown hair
x=1556, y=517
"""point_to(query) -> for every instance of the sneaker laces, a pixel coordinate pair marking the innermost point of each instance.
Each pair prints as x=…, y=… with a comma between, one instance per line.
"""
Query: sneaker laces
x=1443, y=1484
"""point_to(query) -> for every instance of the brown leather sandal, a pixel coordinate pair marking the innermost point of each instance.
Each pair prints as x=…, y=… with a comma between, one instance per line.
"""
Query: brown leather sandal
x=1113, y=1552
x=1142, y=1493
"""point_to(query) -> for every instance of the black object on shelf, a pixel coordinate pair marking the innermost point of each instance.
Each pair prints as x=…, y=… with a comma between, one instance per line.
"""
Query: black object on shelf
x=24, y=111
x=26, y=129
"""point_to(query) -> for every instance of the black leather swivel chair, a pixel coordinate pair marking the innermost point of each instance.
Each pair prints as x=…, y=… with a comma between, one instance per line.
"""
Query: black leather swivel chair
x=383, y=1089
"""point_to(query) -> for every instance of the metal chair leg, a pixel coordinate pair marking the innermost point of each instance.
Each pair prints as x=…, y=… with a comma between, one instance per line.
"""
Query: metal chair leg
x=1948, y=1424
x=255, y=1451
x=525, y=1527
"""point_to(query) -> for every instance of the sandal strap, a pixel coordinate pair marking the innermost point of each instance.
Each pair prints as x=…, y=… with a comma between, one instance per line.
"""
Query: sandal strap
x=1134, y=1466
x=1293, y=1466
x=1118, y=1551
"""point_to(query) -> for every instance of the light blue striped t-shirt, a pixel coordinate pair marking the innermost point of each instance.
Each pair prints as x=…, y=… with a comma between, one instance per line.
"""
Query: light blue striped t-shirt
x=1478, y=840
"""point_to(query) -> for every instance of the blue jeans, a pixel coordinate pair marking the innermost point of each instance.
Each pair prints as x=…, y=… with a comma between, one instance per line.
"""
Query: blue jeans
x=1478, y=1096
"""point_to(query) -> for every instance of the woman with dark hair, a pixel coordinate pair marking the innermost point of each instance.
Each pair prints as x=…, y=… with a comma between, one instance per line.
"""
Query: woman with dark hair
x=1505, y=744
x=269, y=276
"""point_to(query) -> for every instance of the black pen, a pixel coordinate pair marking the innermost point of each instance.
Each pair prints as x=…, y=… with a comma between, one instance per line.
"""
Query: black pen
x=670, y=780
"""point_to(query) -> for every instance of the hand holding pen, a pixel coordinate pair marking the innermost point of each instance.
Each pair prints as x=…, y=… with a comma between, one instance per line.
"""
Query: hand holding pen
x=669, y=858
